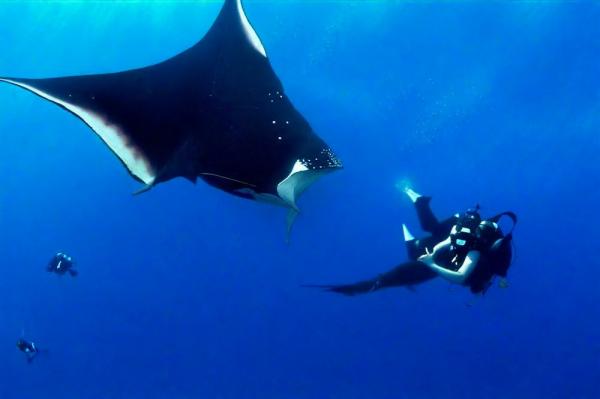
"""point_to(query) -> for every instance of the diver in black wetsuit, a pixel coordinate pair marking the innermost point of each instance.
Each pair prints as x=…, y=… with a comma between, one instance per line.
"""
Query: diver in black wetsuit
x=463, y=249
x=28, y=348
x=472, y=251
x=61, y=264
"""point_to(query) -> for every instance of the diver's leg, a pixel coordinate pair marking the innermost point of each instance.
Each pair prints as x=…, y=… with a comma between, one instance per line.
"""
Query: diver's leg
x=429, y=222
x=412, y=244
x=412, y=194
x=427, y=219
x=445, y=226
x=416, y=247
x=408, y=237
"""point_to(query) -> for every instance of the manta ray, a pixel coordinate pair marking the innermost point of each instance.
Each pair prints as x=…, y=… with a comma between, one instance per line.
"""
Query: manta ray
x=216, y=111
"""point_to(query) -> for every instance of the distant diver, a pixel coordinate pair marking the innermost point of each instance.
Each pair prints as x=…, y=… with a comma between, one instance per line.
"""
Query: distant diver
x=216, y=111
x=29, y=348
x=463, y=249
x=62, y=264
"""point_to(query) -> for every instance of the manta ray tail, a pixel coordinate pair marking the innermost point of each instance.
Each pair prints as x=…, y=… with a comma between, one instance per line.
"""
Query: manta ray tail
x=290, y=219
x=142, y=190
x=348, y=290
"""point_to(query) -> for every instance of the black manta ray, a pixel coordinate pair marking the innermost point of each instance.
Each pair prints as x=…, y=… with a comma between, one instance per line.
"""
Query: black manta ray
x=216, y=111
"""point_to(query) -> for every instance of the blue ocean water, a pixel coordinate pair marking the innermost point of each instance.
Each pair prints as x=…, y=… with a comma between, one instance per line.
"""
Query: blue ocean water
x=186, y=292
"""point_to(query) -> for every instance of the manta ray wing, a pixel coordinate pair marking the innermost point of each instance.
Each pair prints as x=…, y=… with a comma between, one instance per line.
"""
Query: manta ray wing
x=216, y=111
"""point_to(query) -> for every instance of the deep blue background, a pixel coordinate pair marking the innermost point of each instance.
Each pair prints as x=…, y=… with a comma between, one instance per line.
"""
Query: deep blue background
x=186, y=292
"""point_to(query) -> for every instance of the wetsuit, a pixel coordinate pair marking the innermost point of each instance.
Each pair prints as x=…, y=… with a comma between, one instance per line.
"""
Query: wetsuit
x=61, y=264
x=429, y=223
x=495, y=258
x=474, y=251
x=28, y=348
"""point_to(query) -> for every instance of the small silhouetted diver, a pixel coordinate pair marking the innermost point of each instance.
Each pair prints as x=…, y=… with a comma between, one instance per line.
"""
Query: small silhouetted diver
x=29, y=348
x=61, y=264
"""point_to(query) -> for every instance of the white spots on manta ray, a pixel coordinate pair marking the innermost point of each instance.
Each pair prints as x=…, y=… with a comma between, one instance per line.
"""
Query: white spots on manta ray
x=275, y=122
x=275, y=96
x=326, y=160
x=114, y=138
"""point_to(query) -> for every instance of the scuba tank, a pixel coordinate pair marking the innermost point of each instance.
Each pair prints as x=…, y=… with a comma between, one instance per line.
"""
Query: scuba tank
x=498, y=249
x=502, y=248
x=472, y=233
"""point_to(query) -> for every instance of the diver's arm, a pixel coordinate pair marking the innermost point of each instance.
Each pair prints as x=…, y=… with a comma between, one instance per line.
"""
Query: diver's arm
x=459, y=276
x=440, y=246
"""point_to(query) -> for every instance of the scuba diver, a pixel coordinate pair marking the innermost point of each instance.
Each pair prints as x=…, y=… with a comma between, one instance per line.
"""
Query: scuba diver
x=61, y=264
x=474, y=250
x=464, y=249
x=28, y=348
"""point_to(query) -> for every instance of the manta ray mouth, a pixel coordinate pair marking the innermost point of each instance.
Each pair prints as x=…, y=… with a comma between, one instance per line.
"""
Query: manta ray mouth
x=304, y=173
